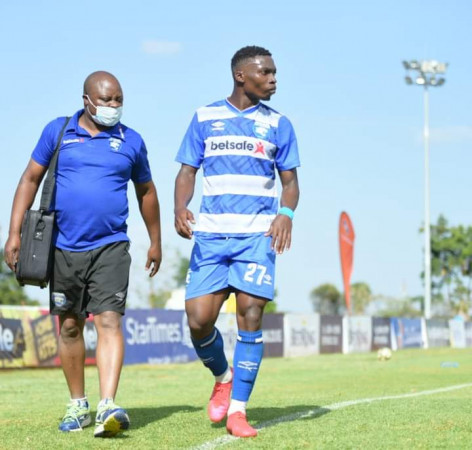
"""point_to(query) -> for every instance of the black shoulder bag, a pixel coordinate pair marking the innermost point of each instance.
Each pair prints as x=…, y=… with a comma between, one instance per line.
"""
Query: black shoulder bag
x=36, y=257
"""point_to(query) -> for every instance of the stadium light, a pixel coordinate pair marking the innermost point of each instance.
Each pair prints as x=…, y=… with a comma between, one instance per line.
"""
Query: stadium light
x=420, y=81
x=425, y=76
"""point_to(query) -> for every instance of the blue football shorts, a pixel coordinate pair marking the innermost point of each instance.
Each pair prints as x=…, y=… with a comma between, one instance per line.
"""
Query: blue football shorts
x=243, y=263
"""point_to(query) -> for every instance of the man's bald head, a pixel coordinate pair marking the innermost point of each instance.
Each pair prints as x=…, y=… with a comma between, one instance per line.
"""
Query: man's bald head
x=98, y=78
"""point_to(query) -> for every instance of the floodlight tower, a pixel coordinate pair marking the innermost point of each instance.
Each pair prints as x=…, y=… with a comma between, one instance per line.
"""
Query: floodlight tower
x=425, y=73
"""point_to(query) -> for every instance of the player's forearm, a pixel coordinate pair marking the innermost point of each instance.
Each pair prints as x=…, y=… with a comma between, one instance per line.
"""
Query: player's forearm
x=184, y=190
x=290, y=195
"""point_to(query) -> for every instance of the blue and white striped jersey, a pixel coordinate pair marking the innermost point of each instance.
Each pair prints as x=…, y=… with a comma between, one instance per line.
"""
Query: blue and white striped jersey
x=239, y=152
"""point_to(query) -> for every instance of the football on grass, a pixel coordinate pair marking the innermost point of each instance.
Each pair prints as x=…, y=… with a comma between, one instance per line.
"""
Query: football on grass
x=384, y=354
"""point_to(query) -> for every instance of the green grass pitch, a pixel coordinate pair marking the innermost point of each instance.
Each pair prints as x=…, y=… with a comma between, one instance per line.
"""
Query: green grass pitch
x=167, y=405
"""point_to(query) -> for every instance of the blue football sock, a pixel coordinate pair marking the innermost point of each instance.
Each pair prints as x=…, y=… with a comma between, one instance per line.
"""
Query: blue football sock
x=210, y=350
x=247, y=359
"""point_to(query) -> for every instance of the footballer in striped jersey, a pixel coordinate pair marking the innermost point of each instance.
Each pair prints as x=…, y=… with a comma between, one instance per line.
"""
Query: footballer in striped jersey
x=240, y=144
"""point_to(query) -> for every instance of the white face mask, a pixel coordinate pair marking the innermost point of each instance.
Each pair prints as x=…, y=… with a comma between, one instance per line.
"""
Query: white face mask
x=106, y=115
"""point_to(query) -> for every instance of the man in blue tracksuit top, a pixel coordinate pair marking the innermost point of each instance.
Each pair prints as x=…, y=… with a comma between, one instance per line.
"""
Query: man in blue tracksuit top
x=98, y=156
x=241, y=144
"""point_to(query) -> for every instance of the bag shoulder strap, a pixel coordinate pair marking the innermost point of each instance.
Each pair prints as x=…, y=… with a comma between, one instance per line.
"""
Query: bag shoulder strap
x=50, y=181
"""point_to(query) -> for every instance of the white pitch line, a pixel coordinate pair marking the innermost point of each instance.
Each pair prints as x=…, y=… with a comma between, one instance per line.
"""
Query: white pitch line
x=223, y=440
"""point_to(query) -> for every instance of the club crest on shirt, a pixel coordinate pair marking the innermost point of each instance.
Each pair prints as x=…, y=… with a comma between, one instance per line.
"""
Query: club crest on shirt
x=261, y=130
x=115, y=144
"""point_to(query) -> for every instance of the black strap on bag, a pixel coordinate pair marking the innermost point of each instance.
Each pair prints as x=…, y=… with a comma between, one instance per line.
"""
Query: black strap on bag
x=35, y=260
x=50, y=181
x=49, y=185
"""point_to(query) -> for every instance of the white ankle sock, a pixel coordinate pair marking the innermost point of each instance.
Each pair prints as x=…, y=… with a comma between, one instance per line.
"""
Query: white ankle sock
x=237, y=406
x=226, y=377
x=104, y=401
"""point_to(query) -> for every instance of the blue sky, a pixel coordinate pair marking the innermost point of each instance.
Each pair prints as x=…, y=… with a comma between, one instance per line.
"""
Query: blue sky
x=340, y=81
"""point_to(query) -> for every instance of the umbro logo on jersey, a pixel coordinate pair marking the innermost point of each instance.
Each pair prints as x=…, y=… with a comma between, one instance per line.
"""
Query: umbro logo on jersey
x=218, y=126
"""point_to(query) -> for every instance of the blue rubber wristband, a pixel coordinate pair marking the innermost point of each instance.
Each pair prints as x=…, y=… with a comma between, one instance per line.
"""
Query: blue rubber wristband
x=286, y=212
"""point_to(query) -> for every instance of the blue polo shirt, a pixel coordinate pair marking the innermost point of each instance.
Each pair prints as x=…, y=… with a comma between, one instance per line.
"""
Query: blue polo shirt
x=92, y=177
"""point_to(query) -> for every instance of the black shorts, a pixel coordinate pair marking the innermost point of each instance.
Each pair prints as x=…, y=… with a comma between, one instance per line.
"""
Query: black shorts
x=90, y=282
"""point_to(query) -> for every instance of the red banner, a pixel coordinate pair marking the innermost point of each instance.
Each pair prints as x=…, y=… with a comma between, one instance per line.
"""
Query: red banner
x=346, y=249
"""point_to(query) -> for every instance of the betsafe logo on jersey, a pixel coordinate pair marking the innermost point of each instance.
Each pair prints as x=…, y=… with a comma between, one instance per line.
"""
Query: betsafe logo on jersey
x=244, y=145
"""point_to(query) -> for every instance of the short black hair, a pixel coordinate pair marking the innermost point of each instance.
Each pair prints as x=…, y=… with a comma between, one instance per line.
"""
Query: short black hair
x=251, y=51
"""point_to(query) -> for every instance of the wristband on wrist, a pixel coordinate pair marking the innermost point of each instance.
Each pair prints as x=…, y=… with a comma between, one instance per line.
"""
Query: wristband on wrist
x=286, y=212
